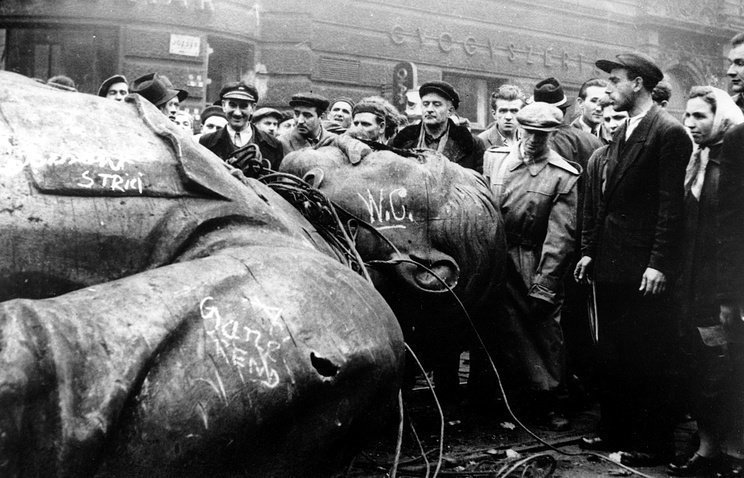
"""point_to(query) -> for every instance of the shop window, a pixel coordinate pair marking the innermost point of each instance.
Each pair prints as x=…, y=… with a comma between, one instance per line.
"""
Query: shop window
x=475, y=95
x=87, y=55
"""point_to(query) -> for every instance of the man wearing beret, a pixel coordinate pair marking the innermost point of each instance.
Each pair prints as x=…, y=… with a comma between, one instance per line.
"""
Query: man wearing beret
x=231, y=142
x=631, y=253
x=535, y=189
x=438, y=132
x=308, y=131
x=114, y=88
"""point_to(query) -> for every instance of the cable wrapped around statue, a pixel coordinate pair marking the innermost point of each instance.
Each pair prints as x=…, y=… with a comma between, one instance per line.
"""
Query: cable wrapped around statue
x=159, y=318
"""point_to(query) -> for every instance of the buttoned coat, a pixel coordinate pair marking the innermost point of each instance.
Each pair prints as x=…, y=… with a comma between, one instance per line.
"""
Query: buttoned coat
x=640, y=215
x=538, y=204
x=220, y=144
x=462, y=147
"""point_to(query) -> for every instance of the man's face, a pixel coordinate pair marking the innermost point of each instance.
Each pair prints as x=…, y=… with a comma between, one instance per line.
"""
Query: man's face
x=699, y=118
x=736, y=68
x=267, y=124
x=213, y=123
x=307, y=120
x=613, y=119
x=436, y=109
x=622, y=89
x=535, y=143
x=591, y=112
x=366, y=126
x=117, y=91
x=505, y=114
x=170, y=108
x=238, y=112
x=184, y=121
x=341, y=113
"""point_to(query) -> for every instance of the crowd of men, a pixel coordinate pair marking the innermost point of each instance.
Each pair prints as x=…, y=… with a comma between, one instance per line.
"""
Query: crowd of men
x=624, y=208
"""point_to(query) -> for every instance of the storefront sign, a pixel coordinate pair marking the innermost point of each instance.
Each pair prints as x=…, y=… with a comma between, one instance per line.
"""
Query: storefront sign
x=185, y=45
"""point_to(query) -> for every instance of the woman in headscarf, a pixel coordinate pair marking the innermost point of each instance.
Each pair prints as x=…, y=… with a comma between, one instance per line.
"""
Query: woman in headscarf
x=710, y=112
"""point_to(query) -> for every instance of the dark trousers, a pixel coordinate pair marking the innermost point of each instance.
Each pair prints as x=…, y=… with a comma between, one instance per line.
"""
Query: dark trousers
x=637, y=367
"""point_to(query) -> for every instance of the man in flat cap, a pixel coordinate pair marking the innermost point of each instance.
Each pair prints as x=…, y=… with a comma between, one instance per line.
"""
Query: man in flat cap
x=114, y=88
x=631, y=254
x=535, y=189
x=232, y=143
x=438, y=132
x=308, y=131
x=267, y=120
x=212, y=119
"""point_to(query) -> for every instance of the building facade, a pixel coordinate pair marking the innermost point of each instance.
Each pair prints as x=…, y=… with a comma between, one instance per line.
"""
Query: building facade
x=351, y=47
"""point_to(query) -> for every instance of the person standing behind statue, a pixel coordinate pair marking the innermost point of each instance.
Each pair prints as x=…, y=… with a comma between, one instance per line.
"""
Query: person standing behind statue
x=710, y=112
x=535, y=189
x=438, y=132
x=159, y=91
x=590, y=111
x=308, y=131
x=505, y=104
x=238, y=101
x=632, y=253
x=114, y=88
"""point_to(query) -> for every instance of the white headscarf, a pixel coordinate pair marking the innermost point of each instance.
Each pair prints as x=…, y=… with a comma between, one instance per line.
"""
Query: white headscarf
x=727, y=115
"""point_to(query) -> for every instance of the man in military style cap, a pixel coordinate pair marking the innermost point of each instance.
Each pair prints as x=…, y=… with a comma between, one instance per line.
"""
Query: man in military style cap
x=308, y=131
x=438, y=132
x=631, y=253
x=535, y=189
x=238, y=101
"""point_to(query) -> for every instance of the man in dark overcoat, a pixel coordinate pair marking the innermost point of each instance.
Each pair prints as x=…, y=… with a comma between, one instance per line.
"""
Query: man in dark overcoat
x=632, y=251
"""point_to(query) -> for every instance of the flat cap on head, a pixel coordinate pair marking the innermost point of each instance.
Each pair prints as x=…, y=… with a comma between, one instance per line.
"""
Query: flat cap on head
x=310, y=99
x=550, y=91
x=210, y=111
x=344, y=99
x=261, y=113
x=239, y=91
x=441, y=88
x=640, y=63
x=540, y=116
x=108, y=82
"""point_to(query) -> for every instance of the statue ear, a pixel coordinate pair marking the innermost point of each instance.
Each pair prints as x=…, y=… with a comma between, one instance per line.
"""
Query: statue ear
x=314, y=177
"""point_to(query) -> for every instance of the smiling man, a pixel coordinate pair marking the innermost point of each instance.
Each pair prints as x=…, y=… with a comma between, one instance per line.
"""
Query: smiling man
x=238, y=102
x=438, y=132
x=736, y=69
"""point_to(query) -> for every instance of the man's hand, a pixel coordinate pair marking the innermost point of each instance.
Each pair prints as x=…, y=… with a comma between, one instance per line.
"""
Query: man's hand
x=653, y=282
x=581, y=272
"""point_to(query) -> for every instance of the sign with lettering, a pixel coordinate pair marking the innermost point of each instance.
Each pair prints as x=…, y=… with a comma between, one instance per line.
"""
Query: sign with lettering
x=185, y=45
x=404, y=79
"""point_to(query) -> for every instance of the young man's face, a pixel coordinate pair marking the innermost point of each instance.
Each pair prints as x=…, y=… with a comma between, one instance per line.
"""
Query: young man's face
x=591, y=112
x=435, y=109
x=170, y=108
x=341, y=113
x=117, y=91
x=736, y=68
x=505, y=115
x=267, y=124
x=238, y=112
x=613, y=119
x=307, y=120
x=621, y=89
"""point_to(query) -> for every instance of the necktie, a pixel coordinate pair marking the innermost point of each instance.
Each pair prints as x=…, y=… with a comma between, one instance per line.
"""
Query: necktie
x=237, y=140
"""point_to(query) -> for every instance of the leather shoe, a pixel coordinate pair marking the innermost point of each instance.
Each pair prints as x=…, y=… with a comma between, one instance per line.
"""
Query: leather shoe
x=596, y=443
x=639, y=458
x=694, y=465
